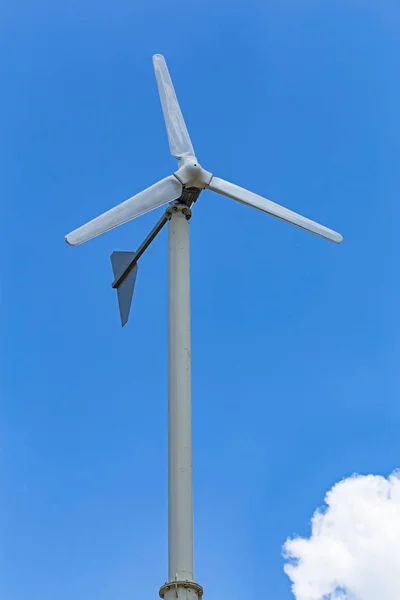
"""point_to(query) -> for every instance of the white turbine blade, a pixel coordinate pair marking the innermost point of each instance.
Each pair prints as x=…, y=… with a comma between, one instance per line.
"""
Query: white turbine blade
x=160, y=193
x=245, y=197
x=178, y=136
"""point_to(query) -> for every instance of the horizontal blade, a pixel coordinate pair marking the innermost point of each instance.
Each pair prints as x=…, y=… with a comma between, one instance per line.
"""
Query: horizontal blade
x=245, y=197
x=178, y=136
x=160, y=193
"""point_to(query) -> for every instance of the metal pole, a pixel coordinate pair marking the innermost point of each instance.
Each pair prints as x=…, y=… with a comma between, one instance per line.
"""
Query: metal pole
x=180, y=503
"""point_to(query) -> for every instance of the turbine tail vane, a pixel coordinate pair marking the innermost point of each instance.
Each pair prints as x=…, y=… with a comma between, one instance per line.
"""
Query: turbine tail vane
x=125, y=267
x=121, y=264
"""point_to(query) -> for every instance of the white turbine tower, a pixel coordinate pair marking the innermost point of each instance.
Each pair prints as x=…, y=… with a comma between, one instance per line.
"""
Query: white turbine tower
x=179, y=190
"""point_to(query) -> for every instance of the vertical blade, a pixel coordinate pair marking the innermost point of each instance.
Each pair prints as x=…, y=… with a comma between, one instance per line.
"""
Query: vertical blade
x=119, y=261
x=178, y=136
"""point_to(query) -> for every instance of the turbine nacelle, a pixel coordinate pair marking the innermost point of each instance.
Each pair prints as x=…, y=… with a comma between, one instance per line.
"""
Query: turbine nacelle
x=192, y=174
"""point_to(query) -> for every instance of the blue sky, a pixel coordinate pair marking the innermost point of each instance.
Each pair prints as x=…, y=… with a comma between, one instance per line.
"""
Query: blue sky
x=295, y=340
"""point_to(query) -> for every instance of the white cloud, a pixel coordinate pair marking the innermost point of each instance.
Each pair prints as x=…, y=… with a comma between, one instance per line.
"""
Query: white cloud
x=353, y=552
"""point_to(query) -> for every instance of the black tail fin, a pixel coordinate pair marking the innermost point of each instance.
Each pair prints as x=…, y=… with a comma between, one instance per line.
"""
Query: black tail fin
x=119, y=262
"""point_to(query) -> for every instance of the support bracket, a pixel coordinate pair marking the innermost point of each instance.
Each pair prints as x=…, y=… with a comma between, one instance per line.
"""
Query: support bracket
x=178, y=207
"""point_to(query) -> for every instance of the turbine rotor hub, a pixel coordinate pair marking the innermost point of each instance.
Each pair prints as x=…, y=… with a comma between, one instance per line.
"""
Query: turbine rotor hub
x=191, y=174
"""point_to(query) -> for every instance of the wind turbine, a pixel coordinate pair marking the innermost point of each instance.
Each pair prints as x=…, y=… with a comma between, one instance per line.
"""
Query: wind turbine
x=180, y=191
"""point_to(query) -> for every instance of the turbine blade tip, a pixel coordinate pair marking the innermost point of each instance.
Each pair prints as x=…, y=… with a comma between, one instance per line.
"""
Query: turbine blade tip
x=339, y=238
